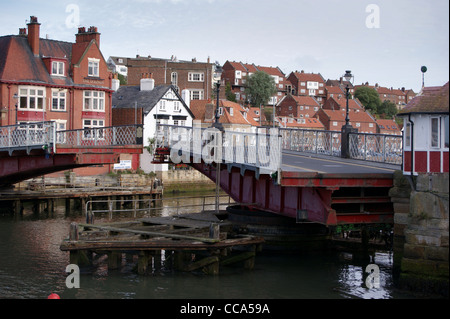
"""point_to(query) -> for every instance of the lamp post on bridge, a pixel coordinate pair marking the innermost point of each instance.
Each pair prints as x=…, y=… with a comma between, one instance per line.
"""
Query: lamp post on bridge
x=347, y=128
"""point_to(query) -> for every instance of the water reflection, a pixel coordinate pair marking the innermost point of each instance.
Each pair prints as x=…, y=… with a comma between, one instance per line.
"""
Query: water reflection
x=32, y=266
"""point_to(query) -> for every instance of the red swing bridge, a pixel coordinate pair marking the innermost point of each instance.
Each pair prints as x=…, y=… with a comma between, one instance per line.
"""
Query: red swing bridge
x=294, y=173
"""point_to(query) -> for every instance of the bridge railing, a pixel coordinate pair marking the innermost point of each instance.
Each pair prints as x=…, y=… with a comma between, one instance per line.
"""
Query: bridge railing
x=312, y=141
x=376, y=147
x=101, y=136
x=260, y=148
x=27, y=136
x=43, y=134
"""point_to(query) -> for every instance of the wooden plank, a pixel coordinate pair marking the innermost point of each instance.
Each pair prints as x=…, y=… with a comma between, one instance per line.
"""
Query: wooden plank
x=157, y=234
x=156, y=244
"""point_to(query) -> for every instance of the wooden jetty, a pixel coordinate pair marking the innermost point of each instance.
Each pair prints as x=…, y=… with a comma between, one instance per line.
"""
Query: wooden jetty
x=44, y=199
x=188, y=242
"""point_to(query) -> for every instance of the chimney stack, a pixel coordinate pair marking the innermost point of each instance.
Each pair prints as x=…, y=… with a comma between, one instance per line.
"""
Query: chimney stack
x=33, y=35
x=87, y=36
x=147, y=83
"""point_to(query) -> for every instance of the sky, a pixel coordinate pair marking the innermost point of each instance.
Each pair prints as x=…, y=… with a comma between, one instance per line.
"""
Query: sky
x=379, y=41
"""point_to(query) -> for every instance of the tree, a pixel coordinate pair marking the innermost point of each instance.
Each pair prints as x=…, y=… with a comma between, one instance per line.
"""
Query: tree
x=387, y=109
x=260, y=87
x=369, y=98
x=229, y=94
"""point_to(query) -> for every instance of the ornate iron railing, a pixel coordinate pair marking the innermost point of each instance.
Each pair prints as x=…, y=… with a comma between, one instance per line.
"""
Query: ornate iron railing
x=27, y=136
x=44, y=135
x=376, y=147
x=312, y=141
x=101, y=136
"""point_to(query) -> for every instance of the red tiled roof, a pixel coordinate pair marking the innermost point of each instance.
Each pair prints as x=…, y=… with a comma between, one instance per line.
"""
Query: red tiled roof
x=309, y=123
x=305, y=100
x=431, y=100
x=387, y=125
x=304, y=77
x=353, y=115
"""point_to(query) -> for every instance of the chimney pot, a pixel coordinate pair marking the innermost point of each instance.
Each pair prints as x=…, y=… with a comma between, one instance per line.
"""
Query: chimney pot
x=33, y=35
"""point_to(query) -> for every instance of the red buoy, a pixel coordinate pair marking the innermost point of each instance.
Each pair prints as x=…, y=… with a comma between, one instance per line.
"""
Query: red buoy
x=53, y=296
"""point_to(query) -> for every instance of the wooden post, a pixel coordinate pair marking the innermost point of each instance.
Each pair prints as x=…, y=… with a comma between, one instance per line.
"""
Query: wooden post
x=214, y=231
x=144, y=259
x=73, y=233
x=114, y=259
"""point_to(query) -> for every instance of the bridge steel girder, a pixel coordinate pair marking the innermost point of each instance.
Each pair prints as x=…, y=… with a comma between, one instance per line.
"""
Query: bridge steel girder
x=306, y=197
x=14, y=169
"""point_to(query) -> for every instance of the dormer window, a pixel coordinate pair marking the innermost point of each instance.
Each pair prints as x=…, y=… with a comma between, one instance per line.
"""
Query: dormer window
x=94, y=65
x=58, y=68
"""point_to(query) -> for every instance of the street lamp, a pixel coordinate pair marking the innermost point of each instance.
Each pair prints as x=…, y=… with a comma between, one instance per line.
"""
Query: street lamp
x=349, y=77
x=347, y=128
x=217, y=115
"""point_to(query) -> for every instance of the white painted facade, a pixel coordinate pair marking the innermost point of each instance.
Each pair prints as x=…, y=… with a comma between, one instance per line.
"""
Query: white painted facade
x=171, y=107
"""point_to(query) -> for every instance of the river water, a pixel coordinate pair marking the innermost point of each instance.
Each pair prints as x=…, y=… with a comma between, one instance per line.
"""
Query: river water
x=32, y=266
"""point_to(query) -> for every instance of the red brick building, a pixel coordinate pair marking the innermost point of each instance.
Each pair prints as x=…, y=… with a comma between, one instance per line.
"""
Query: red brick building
x=197, y=77
x=297, y=106
x=50, y=80
x=333, y=112
x=308, y=84
x=235, y=73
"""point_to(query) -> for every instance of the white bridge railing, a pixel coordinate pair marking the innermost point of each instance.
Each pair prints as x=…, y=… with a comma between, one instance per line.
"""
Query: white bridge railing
x=43, y=135
x=260, y=148
x=376, y=147
x=381, y=148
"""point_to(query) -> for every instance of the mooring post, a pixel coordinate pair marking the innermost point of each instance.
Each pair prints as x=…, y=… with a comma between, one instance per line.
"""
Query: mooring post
x=214, y=231
x=73, y=233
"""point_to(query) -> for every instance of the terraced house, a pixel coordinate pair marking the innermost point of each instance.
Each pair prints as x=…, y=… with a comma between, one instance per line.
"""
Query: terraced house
x=50, y=80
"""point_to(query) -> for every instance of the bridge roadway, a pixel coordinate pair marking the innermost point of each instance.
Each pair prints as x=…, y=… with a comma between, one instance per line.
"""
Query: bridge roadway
x=323, y=164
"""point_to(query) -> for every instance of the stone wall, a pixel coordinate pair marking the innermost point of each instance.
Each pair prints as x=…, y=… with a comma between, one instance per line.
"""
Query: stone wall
x=424, y=263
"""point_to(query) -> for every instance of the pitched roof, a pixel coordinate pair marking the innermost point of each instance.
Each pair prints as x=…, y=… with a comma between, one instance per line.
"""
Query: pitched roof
x=305, y=77
x=354, y=115
x=204, y=110
x=431, y=100
x=132, y=96
x=386, y=124
x=18, y=63
x=310, y=123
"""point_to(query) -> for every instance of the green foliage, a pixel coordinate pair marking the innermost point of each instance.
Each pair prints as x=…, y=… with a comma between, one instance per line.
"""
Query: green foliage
x=151, y=145
x=268, y=113
x=387, y=109
x=229, y=94
x=260, y=87
x=123, y=80
x=369, y=98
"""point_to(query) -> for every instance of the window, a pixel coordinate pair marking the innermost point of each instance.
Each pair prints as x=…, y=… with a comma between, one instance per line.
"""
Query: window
x=370, y=124
x=174, y=78
x=162, y=105
x=446, y=131
x=94, y=67
x=59, y=100
x=94, y=101
x=238, y=74
x=61, y=126
x=435, y=132
x=303, y=83
x=358, y=124
x=196, y=77
x=334, y=123
x=196, y=94
x=92, y=129
x=31, y=98
x=408, y=135
x=58, y=68
x=175, y=122
x=176, y=106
